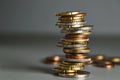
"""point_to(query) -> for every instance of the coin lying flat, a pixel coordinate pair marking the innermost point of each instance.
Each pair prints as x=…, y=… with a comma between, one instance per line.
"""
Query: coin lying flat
x=76, y=50
x=79, y=74
x=70, y=24
x=71, y=13
x=76, y=56
x=76, y=60
x=70, y=46
x=75, y=40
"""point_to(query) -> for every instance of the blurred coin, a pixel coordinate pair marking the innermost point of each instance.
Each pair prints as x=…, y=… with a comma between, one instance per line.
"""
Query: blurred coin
x=86, y=28
x=76, y=50
x=81, y=32
x=70, y=24
x=71, y=13
x=70, y=46
x=105, y=64
x=115, y=60
x=52, y=60
x=99, y=57
x=72, y=36
x=70, y=18
x=77, y=60
x=56, y=70
x=72, y=63
x=82, y=74
x=77, y=56
x=75, y=40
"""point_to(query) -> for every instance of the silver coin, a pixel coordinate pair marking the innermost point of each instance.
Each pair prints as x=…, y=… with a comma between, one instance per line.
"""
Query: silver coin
x=71, y=23
x=76, y=60
x=80, y=74
x=77, y=29
x=86, y=28
x=68, y=31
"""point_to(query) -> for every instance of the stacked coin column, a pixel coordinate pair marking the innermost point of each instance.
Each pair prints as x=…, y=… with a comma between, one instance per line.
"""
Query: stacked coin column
x=74, y=44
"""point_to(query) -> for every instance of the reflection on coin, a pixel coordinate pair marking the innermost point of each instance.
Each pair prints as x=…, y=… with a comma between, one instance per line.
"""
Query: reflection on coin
x=71, y=13
x=77, y=60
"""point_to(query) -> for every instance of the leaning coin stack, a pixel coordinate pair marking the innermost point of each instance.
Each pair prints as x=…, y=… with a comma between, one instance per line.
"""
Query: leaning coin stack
x=73, y=25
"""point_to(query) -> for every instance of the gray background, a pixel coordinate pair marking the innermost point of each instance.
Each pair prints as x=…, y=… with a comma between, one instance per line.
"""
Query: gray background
x=28, y=35
x=37, y=16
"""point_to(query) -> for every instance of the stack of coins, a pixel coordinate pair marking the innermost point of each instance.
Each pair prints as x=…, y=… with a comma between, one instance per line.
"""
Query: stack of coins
x=73, y=25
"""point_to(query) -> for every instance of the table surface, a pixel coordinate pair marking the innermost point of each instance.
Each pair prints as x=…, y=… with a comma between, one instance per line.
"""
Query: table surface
x=21, y=57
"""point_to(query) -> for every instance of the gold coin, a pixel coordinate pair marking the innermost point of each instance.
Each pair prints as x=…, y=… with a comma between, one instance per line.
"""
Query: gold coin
x=71, y=13
x=99, y=57
x=73, y=42
x=72, y=63
x=71, y=26
x=116, y=60
x=71, y=19
x=65, y=71
x=72, y=68
x=57, y=69
x=80, y=48
x=76, y=50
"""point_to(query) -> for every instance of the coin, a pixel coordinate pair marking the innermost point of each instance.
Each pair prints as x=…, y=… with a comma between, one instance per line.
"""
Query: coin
x=99, y=57
x=71, y=46
x=70, y=18
x=86, y=28
x=77, y=56
x=70, y=23
x=56, y=70
x=53, y=58
x=72, y=68
x=77, y=60
x=105, y=64
x=72, y=63
x=63, y=20
x=115, y=60
x=73, y=42
x=71, y=13
x=81, y=32
x=76, y=50
x=71, y=26
x=71, y=36
x=82, y=74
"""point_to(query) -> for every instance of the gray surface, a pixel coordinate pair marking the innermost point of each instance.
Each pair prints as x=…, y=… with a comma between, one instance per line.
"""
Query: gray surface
x=21, y=56
x=37, y=16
